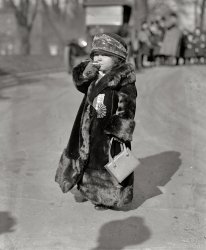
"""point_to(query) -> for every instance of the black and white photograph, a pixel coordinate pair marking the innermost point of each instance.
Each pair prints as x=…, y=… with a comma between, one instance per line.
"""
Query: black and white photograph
x=102, y=124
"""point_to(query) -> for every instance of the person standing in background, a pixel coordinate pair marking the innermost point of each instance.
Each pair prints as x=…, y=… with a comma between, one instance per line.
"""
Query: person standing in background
x=144, y=45
x=171, y=44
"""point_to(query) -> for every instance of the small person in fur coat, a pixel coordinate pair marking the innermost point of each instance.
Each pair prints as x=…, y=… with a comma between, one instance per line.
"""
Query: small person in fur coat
x=107, y=111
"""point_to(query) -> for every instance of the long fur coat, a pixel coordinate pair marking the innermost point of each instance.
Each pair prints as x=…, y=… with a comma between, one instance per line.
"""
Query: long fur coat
x=107, y=110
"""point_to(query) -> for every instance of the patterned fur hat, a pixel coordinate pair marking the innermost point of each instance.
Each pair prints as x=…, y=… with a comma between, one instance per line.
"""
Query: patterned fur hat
x=109, y=44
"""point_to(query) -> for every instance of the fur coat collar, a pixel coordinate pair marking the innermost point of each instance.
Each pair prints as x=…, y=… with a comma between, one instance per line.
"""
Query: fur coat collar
x=116, y=78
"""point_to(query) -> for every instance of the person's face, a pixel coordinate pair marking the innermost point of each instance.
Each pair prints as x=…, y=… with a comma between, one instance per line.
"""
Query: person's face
x=105, y=62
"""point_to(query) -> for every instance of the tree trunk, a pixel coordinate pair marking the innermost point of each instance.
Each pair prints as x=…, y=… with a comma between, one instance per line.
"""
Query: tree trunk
x=25, y=12
x=196, y=13
x=141, y=9
x=202, y=15
x=24, y=33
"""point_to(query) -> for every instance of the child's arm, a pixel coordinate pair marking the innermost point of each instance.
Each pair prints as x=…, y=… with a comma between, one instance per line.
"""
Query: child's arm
x=83, y=74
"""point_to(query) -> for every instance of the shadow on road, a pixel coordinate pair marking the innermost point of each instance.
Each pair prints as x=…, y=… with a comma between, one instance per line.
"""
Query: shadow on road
x=7, y=222
x=152, y=172
x=120, y=234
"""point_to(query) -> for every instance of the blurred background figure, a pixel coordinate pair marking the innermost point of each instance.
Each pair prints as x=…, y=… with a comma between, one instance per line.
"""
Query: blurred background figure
x=170, y=48
x=144, y=45
x=156, y=39
x=193, y=47
x=187, y=47
x=162, y=29
x=203, y=47
x=162, y=25
x=125, y=33
x=199, y=41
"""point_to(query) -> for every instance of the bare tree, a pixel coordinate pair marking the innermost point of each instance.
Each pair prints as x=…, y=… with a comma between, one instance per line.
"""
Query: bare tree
x=57, y=12
x=196, y=7
x=202, y=14
x=56, y=6
x=25, y=13
x=143, y=9
x=63, y=7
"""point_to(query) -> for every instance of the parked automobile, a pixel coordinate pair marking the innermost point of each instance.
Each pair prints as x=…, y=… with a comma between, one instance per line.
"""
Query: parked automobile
x=102, y=16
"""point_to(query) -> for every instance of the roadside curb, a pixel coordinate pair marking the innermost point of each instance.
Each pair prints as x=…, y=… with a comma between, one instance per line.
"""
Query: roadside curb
x=14, y=79
x=39, y=72
x=8, y=81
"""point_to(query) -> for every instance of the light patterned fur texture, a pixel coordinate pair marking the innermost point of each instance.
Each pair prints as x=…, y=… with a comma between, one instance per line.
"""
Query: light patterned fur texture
x=68, y=172
x=84, y=150
x=105, y=190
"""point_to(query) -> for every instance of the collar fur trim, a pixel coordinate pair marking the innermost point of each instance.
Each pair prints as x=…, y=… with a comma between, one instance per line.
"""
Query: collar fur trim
x=120, y=76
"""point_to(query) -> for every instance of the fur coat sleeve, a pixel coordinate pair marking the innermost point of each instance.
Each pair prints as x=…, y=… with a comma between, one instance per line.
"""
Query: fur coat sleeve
x=82, y=83
x=122, y=124
x=122, y=81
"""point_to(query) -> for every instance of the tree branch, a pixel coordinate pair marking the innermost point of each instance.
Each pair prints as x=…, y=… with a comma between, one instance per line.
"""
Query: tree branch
x=13, y=5
x=202, y=15
x=33, y=15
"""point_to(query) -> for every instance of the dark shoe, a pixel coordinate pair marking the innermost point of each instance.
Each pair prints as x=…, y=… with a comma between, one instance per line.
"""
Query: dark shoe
x=101, y=207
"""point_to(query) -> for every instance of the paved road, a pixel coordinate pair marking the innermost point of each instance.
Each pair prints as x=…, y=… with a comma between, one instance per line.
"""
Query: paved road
x=169, y=208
